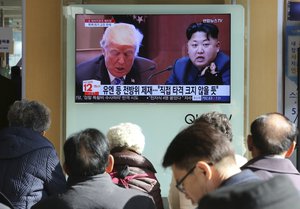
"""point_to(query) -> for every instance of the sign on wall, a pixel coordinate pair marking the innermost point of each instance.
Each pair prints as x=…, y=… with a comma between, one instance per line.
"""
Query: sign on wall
x=6, y=40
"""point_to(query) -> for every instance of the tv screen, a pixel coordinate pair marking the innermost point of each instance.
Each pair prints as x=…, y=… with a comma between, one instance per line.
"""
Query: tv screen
x=182, y=58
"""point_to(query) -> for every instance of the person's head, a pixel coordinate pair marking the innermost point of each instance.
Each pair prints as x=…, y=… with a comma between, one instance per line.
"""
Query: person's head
x=29, y=114
x=272, y=134
x=203, y=44
x=201, y=157
x=126, y=136
x=218, y=120
x=221, y=122
x=120, y=43
x=87, y=154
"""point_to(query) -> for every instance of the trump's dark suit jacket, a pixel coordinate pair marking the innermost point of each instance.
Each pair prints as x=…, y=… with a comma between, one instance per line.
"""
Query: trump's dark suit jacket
x=95, y=69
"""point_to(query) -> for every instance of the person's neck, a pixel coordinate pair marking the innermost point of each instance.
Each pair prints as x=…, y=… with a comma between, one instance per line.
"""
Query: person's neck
x=226, y=168
x=256, y=154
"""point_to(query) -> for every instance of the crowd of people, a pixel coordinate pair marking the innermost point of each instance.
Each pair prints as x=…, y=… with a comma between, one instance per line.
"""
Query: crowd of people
x=109, y=170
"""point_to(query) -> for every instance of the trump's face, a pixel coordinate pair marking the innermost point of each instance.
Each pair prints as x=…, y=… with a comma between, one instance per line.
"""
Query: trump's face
x=201, y=50
x=119, y=58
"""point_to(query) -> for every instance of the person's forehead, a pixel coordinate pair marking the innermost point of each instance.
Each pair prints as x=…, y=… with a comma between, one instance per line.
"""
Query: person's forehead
x=202, y=36
x=120, y=47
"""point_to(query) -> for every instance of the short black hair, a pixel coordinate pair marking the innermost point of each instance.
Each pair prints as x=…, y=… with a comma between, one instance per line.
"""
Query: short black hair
x=218, y=120
x=273, y=133
x=210, y=29
x=197, y=142
x=86, y=153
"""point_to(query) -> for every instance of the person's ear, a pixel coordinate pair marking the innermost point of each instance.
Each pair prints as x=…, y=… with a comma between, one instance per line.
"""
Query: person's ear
x=110, y=164
x=290, y=150
x=204, y=168
x=218, y=45
x=43, y=133
x=66, y=169
x=250, y=143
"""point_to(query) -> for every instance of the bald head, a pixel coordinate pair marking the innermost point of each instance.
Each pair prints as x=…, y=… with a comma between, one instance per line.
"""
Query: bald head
x=273, y=133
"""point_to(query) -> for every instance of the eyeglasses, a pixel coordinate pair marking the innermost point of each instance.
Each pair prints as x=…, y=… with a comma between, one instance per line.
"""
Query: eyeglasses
x=179, y=184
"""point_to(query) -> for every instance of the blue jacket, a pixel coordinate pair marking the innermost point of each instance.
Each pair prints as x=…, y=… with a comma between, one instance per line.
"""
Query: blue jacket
x=30, y=169
x=185, y=73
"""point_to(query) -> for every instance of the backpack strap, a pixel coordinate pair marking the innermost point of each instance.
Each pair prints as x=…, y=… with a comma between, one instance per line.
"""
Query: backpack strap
x=122, y=177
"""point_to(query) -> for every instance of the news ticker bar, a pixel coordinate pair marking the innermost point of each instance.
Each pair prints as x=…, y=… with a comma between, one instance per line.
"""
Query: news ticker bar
x=92, y=89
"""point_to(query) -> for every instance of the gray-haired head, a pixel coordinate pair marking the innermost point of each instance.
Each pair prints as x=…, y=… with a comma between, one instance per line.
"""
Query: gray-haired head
x=29, y=114
x=126, y=136
x=122, y=34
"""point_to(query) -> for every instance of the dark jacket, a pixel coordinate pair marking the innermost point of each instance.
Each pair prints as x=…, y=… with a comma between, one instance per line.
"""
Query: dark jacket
x=96, y=192
x=4, y=202
x=245, y=176
x=95, y=69
x=185, y=73
x=268, y=166
x=275, y=193
x=30, y=169
x=131, y=164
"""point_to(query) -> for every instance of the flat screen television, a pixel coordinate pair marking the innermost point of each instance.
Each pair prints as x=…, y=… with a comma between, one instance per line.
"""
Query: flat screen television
x=160, y=115
x=164, y=43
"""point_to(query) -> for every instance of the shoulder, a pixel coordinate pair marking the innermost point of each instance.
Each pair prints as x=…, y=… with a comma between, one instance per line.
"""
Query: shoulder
x=90, y=62
x=139, y=200
x=24, y=140
x=181, y=65
x=222, y=56
x=144, y=63
x=276, y=194
x=89, y=67
x=182, y=61
x=51, y=202
x=262, y=162
x=242, y=177
x=222, y=60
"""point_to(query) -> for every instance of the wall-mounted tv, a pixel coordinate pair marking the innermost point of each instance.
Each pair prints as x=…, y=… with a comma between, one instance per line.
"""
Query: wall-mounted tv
x=170, y=67
x=164, y=42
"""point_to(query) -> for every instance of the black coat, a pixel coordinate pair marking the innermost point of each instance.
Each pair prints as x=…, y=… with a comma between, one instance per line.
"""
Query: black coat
x=97, y=192
x=30, y=168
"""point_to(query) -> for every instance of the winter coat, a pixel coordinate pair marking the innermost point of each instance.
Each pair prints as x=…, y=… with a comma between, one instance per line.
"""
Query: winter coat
x=29, y=167
x=132, y=170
